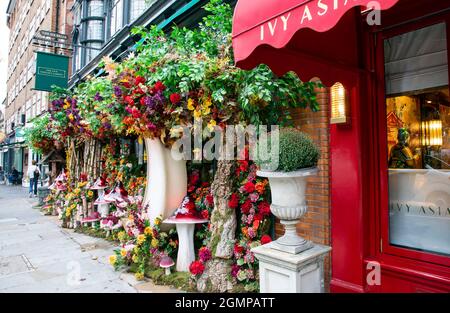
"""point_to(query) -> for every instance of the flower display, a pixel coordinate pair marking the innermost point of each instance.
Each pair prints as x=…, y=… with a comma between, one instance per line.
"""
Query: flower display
x=159, y=92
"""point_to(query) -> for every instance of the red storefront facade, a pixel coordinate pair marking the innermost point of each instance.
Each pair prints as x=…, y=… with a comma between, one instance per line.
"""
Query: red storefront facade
x=332, y=40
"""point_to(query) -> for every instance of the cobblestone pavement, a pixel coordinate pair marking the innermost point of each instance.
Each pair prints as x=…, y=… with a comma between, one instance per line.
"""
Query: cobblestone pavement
x=37, y=255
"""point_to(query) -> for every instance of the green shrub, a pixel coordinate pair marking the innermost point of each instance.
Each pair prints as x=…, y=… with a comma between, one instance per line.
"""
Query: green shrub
x=296, y=151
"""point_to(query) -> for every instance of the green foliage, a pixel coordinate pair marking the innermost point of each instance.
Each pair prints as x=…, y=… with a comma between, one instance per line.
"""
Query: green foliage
x=296, y=150
x=41, y=134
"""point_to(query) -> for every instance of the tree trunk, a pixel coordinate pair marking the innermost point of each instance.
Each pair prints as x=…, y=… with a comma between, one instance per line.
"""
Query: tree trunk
x=223, y=227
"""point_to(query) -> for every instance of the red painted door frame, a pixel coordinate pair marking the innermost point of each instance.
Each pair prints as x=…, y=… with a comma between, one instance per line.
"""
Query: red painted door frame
x=359, y=197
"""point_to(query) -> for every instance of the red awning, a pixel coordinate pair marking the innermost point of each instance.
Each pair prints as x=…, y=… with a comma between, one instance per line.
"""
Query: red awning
x=267, y=31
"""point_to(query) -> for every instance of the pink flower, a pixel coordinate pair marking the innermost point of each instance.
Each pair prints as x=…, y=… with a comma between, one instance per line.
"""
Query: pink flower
x=254, y=197
x=251, y=232
x=204, y=254
x=234, y=270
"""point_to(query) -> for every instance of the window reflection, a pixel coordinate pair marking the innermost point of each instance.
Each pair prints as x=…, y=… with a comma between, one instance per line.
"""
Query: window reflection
x=418, y=126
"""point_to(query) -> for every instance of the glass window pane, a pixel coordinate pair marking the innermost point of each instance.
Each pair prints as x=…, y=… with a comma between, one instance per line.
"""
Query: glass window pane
x=95, y=30
x=90, y=53
x=137, y=7
x=95, y=8
x=418, y=126
x=116, y=17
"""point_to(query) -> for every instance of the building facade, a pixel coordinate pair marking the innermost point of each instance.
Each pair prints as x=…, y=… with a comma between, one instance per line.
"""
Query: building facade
x=381, y=198
x=25, y=18
x=102, y=28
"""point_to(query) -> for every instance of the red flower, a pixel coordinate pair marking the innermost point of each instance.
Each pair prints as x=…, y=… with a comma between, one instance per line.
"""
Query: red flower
x=136, y=113
x=159, y=86
x=258, y=217
x=139, y=80
x=194, y=178
x=210, y=200
x=246, y=206
x=175, y=98
x=190, y=206
x=238, y=249
x=249, y=187
x=265, y=239
x=243, y=166
x=264, y=208
x=129, y=100
x=196, y=268
x=233, y=202
x=205, y=214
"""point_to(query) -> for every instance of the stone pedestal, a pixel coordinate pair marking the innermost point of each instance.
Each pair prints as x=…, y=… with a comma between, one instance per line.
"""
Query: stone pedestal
x=185, y=230
x=283, y=272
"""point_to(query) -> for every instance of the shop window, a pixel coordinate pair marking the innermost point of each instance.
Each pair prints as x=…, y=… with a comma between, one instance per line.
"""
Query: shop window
x=418, y=128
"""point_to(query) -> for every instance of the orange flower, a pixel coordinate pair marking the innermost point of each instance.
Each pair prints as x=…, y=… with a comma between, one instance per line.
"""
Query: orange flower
x=260, y=187
x=255, y=225
x=245, y=231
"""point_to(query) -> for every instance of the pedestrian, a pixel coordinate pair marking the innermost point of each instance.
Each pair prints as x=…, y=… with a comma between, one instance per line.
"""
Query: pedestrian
x=33, y=175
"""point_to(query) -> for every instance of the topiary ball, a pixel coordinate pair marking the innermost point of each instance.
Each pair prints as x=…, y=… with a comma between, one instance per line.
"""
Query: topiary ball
x=296, y=151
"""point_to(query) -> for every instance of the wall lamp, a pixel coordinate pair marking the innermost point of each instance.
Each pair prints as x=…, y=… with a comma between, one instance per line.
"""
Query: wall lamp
x=339, y=104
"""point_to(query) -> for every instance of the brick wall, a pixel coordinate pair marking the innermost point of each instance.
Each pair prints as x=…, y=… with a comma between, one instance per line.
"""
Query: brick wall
x=315, y=224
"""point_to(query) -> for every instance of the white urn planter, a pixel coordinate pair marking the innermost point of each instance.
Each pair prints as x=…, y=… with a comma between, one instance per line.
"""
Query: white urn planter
x=166, y=180
x=289, y=205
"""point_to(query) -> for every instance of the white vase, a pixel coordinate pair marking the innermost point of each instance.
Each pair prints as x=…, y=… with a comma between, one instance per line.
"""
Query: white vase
x=166, y=181
x=289, y=205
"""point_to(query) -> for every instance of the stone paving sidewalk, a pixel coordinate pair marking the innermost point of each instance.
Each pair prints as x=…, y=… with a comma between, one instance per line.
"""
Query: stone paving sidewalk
x=37, y=255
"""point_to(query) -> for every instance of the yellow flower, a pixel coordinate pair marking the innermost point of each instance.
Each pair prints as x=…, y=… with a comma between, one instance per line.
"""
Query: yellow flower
x=135, y=258
x=140, y=239
x=148, y=231
x=206, y=111
x=90, y=193
x=71, y=117
x=82, y=184
x=77, y=191
x=155, y=243
x=112, y=259
x=121, y=236
x=157, y=221
x=139, y=276
x=207, y=103
x=190, y=104
x=211, y=125
x=136, y=250
x=197, y=114
x=123, y=253
x=66, y=104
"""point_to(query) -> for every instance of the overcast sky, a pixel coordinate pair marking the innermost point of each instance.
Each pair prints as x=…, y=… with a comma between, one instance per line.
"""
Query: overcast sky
x=4, y=40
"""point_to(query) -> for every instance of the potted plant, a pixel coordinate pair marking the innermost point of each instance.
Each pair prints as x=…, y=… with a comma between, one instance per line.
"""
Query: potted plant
x=287, y=166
